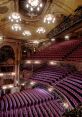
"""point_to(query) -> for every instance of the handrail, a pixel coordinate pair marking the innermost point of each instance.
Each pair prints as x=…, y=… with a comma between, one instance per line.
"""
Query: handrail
x=67, y=22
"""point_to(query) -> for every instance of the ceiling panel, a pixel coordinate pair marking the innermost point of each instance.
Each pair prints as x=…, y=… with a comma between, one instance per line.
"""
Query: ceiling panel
x=59, y=8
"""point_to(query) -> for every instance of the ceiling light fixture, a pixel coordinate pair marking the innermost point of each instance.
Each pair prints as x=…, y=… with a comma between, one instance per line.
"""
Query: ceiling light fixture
x=34, y=49
x=15, y=17
x=1, y=37
x=53, y=62
x=7, y=86
x=35, y=42
x=10, y=86
x=32, y=83
x=65, y=104
x=17, y=82
x=37, y=62
x=28, y=62
x=13, y=73
x=34, y=5
x=49, y=18
x=16, y=27
x=23, y=84
x=50, y=89
x=4, y=87
x=1, y=74
x=53, y=39
x=66, y=37
x=26, y=33
x=40, y=30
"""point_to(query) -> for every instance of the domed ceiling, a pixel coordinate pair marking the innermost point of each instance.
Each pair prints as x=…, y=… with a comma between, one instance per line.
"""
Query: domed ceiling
x=31, y=20
x=26, y=12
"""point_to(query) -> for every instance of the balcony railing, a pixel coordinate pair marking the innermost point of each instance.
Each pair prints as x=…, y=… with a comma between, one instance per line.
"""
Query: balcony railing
x=67, y=23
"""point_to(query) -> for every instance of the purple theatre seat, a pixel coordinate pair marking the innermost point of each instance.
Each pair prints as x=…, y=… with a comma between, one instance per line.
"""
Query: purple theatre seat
x=43, y=110
x=58, y=51
x=40, y=114
x=34, y=111
x=30, y=112
x=10, y=102
x=14, y=104
x=31, y=103
x=68, y=95
x=17, y=100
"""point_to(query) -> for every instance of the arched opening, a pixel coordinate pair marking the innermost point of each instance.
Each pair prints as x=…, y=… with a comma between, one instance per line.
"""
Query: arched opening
x=7, y=65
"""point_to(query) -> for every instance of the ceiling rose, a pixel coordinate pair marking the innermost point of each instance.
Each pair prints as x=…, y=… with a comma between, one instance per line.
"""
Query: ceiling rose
x=49, y=18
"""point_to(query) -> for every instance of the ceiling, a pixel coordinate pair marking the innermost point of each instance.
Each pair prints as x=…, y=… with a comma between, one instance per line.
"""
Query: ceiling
x=59, y=8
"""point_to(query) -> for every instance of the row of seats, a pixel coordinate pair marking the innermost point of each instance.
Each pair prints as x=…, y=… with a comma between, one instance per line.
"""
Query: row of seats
x=30, y=103
x=46, y=109
x=70, y=84
x=25, y=98
x=59, y=51
x=76, y=112
x=49, y=75
x=76, y=55
x=71, y=87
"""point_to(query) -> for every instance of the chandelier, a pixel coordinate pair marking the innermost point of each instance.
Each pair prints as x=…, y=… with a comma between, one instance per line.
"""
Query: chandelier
x=15, y=17
x=26, y=33
x=16, y=27
x=49, y=18
x=34, y=5
x=40, y=30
